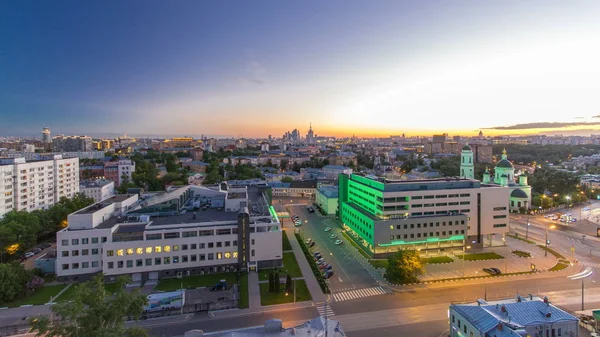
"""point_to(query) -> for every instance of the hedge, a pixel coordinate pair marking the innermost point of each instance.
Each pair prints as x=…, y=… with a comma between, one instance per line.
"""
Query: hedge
x=313, y=265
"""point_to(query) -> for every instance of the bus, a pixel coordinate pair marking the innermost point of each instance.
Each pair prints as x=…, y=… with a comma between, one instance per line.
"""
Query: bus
x=165, y=301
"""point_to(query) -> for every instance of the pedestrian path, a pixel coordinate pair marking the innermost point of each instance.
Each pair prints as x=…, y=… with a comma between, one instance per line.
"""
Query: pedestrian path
x=324, y=309
x=360, y=293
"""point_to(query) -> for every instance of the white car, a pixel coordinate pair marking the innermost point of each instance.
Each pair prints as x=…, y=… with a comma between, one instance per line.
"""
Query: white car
x=308, y=241
x=29, y=254
x=327, y=229
x=338, y=242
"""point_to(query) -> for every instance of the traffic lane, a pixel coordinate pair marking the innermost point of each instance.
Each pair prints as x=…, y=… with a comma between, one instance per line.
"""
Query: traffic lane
x=348, y=273
x=199, y=321
x=424, y=329
x=558, y=237
x=314, y=229
x=344, y=258
x=470, y=291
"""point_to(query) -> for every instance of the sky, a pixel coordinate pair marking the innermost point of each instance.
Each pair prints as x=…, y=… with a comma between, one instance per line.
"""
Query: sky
x=254, y=68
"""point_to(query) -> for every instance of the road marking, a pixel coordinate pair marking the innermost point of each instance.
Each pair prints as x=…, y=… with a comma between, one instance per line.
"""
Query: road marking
x=339, y=278
x=324, y=309
x=359, y=293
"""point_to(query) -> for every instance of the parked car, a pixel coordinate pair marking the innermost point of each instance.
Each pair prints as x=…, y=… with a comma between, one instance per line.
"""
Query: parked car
x=328, y=274
x=327, y=229
x=28, y=255
x=308, y=241
x=316, y=253
x=45, y=245
x=318, y=256
x=321, y=260
x=328, y=268
x=338, y=242
x=312, y=244
x=496, y=270
x=36, y=250
x=323, y=266
x=332, y=236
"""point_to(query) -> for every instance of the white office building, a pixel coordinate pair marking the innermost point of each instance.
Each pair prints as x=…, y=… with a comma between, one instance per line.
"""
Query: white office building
x=99, y=189
x=28, y=186
x=518, y=317
x=185, y=231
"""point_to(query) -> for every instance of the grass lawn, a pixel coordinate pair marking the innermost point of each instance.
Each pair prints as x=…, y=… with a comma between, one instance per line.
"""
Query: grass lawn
x=379, y=263
x=553, y=252
x=195, y=281
x=437, y=259
x=480, y=256
x=286, y=242
x=520, y=238
x=521, y=253
x=290, y=265
x=559, y=266
x=243, y=301
x=68, y=294
x=40, y=296
x=49, y=278
x=267, y=298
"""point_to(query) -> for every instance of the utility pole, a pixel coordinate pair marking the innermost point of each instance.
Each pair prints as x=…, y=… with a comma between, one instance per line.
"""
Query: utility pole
x=582, y=291
x=527, y=230
x=546, y=243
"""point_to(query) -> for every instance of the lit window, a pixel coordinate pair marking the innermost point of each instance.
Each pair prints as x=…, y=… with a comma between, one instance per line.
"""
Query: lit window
x=219, y=256
x=235, y=255
x=140, y=251
x=148, y=250
x=228, y=255
x=167, y=249
x=157, y=249
x=175, y=248
x=119, y=252
x=129, y=251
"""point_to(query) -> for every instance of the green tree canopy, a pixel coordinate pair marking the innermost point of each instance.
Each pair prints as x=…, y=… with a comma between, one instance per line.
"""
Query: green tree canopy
x=287, y=179
x=94, y=312
x=404, y=267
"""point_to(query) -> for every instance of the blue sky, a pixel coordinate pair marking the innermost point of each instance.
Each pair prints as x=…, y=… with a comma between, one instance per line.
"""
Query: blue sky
x=263, y=67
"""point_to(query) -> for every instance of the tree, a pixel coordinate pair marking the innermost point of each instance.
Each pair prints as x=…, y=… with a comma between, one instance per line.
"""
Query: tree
x=287, y=179
x=14, y=279
x=277, y=283
x=94, y=312
x=288, y=284
x=271, y=283
x=404, y=267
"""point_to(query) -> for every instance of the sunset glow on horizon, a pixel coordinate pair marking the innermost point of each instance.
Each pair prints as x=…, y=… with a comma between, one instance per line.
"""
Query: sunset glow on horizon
x=362, y=68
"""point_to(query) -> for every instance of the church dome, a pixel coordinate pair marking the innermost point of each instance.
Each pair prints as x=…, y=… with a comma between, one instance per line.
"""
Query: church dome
x=467, y=148
x=504, y=163
x=518, y=193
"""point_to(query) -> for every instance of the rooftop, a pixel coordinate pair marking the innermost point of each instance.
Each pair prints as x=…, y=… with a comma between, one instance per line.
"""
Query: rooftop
x=416, y=184
x=209, y=215
x=329, y=191
x=273, y=328
x=95, y=183
x=100, y=205
x=515, y=313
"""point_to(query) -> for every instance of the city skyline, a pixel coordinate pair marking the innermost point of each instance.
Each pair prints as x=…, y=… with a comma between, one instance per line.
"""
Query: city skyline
x=257, y=69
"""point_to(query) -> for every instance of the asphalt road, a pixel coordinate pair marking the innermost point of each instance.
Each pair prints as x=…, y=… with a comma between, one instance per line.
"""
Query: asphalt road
x=348, y=272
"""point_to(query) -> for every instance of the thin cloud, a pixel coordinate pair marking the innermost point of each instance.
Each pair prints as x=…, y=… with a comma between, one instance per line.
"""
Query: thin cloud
x=543, y=125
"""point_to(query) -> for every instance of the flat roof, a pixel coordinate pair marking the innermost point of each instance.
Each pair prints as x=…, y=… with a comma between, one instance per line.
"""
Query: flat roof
x=209, y=215
x=104, y=203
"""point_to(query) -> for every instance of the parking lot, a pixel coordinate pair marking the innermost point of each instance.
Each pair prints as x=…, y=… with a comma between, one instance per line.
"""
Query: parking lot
x=348, y=272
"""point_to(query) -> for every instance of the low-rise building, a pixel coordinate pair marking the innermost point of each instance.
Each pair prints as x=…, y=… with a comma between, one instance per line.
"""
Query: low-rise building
x=428, y=215
x=99, y=189
x=327, y=199
x=518, y=317
x=185, y=231
x=317, y=327
x=304, y=188
x=120, y=170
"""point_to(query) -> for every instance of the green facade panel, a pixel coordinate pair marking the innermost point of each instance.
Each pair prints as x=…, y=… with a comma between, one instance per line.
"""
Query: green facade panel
x=358, y=222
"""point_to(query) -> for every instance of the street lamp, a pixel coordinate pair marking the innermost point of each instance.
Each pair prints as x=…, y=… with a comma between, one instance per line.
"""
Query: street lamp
x=463, y=258
x=546, y=243
x=581, y=276
x=527, y=229
x=568, y=201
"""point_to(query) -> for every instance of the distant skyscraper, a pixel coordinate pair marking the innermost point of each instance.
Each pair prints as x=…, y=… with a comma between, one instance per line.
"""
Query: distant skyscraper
x=46, y=136
x=310, y=136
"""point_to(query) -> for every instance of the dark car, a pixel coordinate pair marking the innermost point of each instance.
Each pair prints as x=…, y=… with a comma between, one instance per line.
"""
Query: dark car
x=45, y=245
x=496, y=270
x=317, y=257
x=328, y=268
x=312, y=244
x=489, y=271
x=328, y=274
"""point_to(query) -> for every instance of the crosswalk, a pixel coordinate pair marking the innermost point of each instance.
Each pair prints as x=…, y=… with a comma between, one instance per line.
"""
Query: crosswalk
x=359, y=293
x=590, y=264
x=324, y=310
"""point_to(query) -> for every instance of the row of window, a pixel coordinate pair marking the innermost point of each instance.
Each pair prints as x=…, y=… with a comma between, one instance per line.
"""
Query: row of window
x=84, y=241
x=441, y=204
x=172, y=259
x=440, y=196
x=84, y=252
x=419, y=235
x=431, y=224
x=84, y=265
x=168, y=248
x=454, y=211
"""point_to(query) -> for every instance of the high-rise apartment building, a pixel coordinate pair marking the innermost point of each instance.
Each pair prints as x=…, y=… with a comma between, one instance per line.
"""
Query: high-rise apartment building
x=72, y=143
x=427, y=215
x=120, y=170
x=46, y=136
x=28, y=186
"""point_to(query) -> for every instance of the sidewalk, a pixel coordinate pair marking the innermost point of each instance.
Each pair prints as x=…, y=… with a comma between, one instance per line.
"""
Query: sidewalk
x=311, y=282
x=253, y=291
